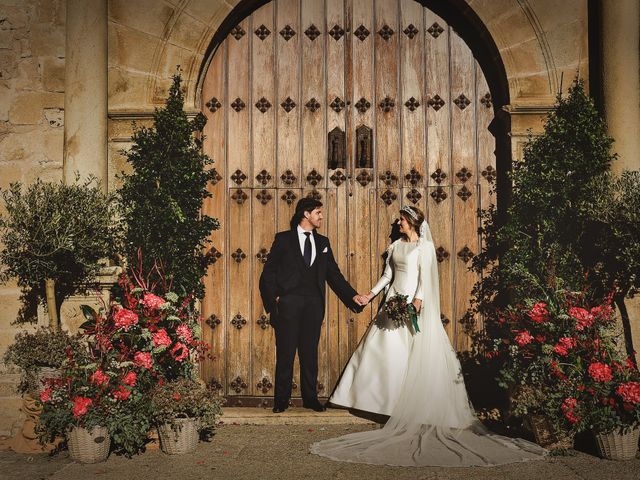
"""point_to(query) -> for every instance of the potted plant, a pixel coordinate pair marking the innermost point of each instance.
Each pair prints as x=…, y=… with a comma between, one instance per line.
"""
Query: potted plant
x=53, y=238
x=39, y=355
x=546, y=346
x=182, y=409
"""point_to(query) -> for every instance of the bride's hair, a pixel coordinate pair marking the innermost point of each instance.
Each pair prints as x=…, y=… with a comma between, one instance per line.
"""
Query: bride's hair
x=414, y=220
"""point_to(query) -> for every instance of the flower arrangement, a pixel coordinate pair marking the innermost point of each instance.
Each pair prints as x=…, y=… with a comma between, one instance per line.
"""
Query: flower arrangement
x=401, y=312
x=185, y=398
x=140, y=341
x=561, y=360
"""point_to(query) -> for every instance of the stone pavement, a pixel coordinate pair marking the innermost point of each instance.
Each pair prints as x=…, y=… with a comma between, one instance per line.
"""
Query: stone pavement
x=243, y=450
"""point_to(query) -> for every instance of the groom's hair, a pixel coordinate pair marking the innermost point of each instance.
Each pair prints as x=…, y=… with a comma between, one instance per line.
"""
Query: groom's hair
x=305, y=204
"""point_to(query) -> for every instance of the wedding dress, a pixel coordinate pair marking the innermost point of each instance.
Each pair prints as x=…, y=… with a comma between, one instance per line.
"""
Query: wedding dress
x=416, y=379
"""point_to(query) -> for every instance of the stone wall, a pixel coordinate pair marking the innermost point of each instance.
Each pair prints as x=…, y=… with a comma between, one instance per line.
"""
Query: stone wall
x=32, y=50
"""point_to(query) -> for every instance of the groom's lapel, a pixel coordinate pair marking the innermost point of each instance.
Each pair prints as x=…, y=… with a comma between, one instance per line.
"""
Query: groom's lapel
x=295, y=246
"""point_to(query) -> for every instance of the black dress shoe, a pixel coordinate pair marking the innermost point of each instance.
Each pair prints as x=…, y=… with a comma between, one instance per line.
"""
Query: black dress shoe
x=315, y=406
x=279, y=408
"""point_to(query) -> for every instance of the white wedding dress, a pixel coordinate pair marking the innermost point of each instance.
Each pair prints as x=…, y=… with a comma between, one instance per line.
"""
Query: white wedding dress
x=416, y=379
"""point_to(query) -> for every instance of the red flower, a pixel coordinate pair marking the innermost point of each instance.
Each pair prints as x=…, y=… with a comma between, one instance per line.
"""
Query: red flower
x=80, y=405
x=176, y=396
x=122, y=393
x=582, y=317
x=541, y=338
x=152, y=301
x=185, y=333
x=568, y=342
x=180, y=351
x=523, y=338
x=143, y=359
x=630, y=364
x=130, y=379
x=629, y=392
x=602, y=311
x=45, y=395
x=539, y=313
x=103, y=342
x=600, y=372
x=125, y=318
x=160, y=338
x=99, y=378
x=561, y=350
x=568, y=407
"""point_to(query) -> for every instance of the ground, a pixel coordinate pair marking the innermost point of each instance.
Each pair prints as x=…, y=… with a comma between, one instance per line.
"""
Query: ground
x=264, y=452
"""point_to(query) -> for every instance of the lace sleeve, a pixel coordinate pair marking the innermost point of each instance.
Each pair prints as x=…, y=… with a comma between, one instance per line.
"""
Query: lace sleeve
x=387, y=275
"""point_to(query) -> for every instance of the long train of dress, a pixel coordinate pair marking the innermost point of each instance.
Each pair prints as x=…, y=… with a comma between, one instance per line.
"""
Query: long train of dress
x=431, y=422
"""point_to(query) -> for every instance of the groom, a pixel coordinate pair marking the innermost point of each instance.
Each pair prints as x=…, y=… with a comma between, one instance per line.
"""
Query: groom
x=292, y=287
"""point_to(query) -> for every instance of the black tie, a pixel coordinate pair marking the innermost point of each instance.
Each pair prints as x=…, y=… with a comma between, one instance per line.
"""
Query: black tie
x=307, y=249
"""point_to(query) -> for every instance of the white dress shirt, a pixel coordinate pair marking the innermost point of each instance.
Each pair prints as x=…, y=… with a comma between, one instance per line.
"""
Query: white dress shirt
x=302, y=238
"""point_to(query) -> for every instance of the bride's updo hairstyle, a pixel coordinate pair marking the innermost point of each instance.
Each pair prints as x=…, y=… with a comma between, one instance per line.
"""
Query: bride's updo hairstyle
x=414, y=216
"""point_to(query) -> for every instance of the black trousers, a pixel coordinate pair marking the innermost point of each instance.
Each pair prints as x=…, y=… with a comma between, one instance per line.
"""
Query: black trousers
x=298, y=328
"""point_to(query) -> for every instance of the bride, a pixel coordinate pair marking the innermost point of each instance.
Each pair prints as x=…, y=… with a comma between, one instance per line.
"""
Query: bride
x=414, y=377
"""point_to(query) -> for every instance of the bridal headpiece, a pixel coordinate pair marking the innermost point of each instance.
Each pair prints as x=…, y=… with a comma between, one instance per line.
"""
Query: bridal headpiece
x=408, y=210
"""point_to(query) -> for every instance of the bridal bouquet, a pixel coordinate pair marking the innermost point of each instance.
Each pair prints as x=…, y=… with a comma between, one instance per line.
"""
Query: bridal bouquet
x=400, y=312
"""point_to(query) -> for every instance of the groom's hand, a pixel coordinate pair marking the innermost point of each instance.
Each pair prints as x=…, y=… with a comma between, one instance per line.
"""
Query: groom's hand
x=360, y=300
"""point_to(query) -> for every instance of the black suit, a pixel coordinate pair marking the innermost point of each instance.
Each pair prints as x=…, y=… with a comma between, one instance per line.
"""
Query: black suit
x=297, y=318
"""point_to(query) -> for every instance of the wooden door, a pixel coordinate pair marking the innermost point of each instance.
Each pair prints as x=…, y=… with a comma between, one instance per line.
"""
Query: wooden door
x=367, y=105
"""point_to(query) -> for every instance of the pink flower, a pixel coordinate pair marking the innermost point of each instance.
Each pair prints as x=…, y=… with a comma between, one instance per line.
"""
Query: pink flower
x=130, y=379
x=143, y=359
x=539, y=313
x=568, y=342
x=523, y=338
x=629, y=392
x=561, y=350
x=152, y=301
x=185, y=333
x=602, y=311
x=176, y=396
x=180, y=351
x=99, y=378
x=160, y=338
x=122, y=393
x=582, y=317
x=600, y=372
x=45, y=395
x=125, y=318
x=80, y=405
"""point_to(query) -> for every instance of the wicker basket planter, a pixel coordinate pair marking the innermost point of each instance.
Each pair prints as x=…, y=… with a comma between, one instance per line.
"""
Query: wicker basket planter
x=545, y=436
x=180, y=438
x=88, y=446
x=617, y=445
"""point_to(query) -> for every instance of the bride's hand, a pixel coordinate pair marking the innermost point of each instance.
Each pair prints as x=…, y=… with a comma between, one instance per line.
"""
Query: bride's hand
x=417, y=303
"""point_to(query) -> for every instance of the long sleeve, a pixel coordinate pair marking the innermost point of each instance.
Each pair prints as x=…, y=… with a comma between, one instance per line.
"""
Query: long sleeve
x=421, y=281
x=387, y=275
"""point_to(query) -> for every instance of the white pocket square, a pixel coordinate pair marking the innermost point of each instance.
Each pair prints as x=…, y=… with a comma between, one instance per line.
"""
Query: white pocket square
x=326, y=249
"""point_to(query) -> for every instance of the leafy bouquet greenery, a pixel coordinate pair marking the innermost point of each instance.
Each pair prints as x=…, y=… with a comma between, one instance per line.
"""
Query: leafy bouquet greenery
x=401, y=312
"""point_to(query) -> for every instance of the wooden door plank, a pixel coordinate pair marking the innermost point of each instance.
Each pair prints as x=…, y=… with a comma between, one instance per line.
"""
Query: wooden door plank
x=438, y=103
x=214, y=302
x=313, y=90
x=288, y=87
x=412, y=104
x=263, y=230
x=239, y=291
x=263, y=130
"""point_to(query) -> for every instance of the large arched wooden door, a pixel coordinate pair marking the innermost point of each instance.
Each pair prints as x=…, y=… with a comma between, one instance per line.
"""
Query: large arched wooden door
x=367, y=105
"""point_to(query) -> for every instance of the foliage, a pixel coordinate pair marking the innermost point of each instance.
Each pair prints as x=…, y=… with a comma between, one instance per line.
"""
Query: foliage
x=140, y=341
x=42, y=348
x=162, y=199
x=56, y=231
x=185, y=398
x=553, y=349
x=548, y=234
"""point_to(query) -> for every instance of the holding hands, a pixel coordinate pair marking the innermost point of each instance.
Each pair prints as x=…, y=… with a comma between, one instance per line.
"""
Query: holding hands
x=362, y=299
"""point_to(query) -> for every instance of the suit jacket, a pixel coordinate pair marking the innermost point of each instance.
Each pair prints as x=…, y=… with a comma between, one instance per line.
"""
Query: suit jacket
x=284, y=267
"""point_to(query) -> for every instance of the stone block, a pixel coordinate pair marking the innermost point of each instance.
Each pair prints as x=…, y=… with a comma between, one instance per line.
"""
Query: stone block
x=10, y=415
x=5, y=101
x=8, y=64
x=47, y=41
x=50, y=11
x=127, y=90
x=27, y=107
x=47, y=172
x=149, y=16
x=534, y=85
x=29, y=76
x=526, y=57
x=8, y=384
x=53, y=140
x=207, y=10
x=569, y=44
x=54, y=117
x=53, y=74
x=13, y=17
x=552, y=14
x=6, y=39
x=187, y=32
x=131, y=48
